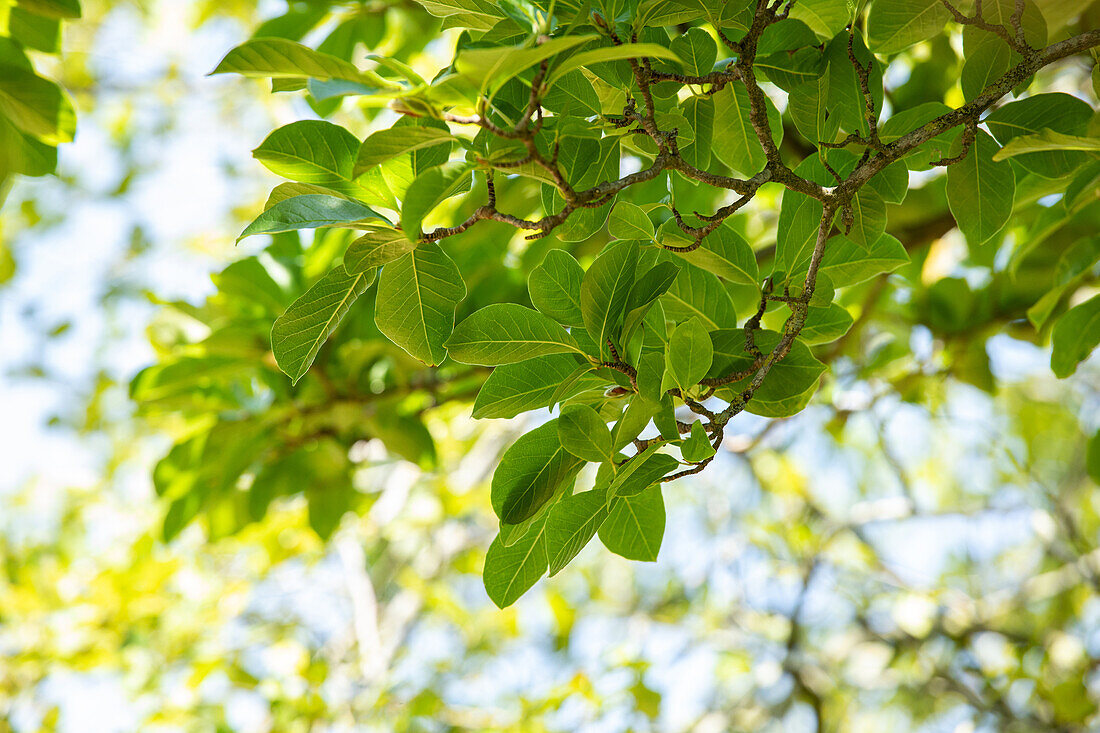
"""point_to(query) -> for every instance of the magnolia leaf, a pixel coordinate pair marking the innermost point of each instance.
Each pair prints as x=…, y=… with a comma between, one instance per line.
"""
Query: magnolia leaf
x=505, y=333
x=417, y=297
x=301, y=331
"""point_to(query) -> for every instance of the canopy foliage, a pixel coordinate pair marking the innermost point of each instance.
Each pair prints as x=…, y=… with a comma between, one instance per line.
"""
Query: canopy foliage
x=653, y=216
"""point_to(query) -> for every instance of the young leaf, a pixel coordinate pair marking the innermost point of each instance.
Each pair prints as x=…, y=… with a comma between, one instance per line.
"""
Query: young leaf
x=1043, y=133
x=584, y=433
x=611, y=53
x=697, y=447
x=689, y=354
x=504, y=333
x=635, y=525
x=417, y=297
x=299, y=333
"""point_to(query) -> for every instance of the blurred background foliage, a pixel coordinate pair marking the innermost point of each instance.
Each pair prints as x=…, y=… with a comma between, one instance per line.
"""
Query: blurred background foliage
x=918, y=550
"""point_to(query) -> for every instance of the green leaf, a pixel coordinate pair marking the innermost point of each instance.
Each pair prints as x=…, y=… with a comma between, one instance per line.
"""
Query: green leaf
x=279, y=58
x=699, y=113
x=584, y=433
x=1046, y=133
x=1047, y=140
x=789, y=385
x=488, y=68
x=809, y=107
x=895, y=25
x=505, y=333
x=35, y=31
x=645, y=291
x=310, y=211
x=555, y=287
x=845, y=93
x=825, y=324
x=386, y=144
x=825, y=17
x=635, y=525
x=689, y=354
x=984, y=62
x=36, y=106
x=604, y=291
x=641, y=472
x=735, y=141
x=868, y=217
x=697, y=51
x=417, y=297
x=696, y=292
x=846, y=262
x=572, y=523
x=892, y=182
x=980, y=191
x=62, y=9
x=697, y=447
x=299, y=333
x=375, y=249
x=574, y=384
x=510, y=571
x=907, y=120
x=723, y=252
x=429, y=190
x=529, y=472
x=479, y=15
x=651, y=371
x=611, y=53
x=629, y=221
x=634, y=420
x=527, y=385
x=573, y=95
x=1076, y=333
x=1092, y=458
x=316, y=152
